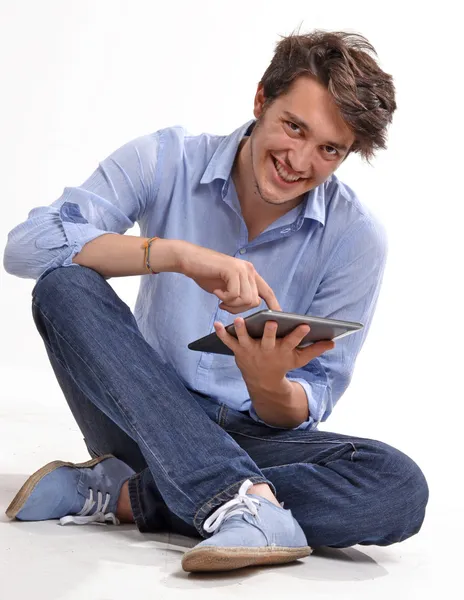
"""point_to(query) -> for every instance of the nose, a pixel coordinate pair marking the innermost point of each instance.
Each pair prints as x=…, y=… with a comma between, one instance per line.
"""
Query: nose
x=301, y=159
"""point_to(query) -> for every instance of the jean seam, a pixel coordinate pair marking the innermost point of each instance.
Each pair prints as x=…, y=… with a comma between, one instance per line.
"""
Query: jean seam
x=208, y=506
x=261, y=439
x=351, y=455
x=121, y=408
x=222, y=416
x=136, y=503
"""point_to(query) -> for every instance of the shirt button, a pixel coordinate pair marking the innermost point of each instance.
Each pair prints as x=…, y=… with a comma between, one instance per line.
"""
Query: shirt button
x=242, y=250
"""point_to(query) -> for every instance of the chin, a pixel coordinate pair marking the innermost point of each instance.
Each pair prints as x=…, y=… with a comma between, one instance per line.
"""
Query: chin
x=278, y=200
x=274, y=196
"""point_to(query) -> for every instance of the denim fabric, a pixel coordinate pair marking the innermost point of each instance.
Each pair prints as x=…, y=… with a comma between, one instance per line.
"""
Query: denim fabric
x=325, y=257
x=190, y=452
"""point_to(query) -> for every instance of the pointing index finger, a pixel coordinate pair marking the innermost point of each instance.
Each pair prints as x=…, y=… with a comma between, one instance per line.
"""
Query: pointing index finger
x=267, y=294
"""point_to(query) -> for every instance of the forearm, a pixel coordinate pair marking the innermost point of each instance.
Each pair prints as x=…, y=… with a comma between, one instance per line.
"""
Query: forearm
x=114, y=255
x=281, y=405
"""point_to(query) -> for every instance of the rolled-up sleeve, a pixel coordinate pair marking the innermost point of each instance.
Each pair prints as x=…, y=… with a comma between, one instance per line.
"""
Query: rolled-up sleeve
x=349, y=291
x=111, y=200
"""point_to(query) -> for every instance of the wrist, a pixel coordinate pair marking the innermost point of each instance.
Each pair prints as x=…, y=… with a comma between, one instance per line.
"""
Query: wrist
x=279, y=407
x=278, y=387
x=185, y=256
x=177, y=250
x=165, y=255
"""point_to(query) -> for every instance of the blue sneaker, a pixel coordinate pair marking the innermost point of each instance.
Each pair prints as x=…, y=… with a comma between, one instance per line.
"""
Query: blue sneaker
x=247, y=530
x=74, y=493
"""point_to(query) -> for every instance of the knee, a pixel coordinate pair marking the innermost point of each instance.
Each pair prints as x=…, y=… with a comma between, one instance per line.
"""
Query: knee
x=59, y=284
x=77, y=294
x=70, y=296
x=403, y=493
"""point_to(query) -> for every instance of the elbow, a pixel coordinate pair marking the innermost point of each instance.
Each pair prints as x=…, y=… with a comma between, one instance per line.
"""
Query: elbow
x=12, y=262
x=21, y=262
x=35, y=245
x=15, y=264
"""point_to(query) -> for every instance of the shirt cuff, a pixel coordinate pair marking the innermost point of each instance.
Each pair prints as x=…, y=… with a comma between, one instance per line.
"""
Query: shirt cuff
x=317, y=401
x=315, y=405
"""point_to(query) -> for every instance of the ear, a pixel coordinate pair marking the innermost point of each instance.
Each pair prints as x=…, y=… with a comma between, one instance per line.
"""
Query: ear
x=259, y=101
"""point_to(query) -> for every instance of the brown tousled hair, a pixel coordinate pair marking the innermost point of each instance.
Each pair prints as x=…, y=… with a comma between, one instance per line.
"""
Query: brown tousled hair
x=364, y=94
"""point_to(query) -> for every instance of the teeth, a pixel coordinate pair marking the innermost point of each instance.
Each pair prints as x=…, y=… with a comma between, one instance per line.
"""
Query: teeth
x=284, y=173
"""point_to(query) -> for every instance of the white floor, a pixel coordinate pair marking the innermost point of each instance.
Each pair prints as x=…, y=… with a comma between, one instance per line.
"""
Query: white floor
x=45, y=561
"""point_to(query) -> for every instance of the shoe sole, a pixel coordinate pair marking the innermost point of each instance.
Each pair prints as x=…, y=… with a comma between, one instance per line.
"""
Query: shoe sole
x=26, y=490
x=211, y=558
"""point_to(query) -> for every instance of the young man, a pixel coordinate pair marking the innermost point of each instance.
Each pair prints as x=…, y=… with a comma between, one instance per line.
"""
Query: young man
x=202, y=443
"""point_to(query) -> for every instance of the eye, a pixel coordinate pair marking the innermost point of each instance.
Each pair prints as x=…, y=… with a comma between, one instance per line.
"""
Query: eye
x=334, y=153
x=290, y=123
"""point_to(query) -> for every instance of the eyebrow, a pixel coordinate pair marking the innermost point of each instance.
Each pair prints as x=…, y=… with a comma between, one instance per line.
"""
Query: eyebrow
x=307, y=128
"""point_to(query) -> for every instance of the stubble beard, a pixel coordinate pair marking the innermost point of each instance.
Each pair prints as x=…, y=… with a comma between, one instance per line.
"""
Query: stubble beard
x=257, y=189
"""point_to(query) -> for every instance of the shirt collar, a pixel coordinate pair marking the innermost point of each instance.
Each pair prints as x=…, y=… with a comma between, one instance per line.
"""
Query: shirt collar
x=220, y=166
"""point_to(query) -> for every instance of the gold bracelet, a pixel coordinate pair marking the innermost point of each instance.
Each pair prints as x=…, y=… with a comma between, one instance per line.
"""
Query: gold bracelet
x=147, y=245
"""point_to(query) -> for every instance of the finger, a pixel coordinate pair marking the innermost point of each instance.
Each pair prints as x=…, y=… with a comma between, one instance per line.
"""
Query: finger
x=239, y=296
x=244, y=300
x=243, y=336
x=294, y=338
x=232, y=281
x=247, y=299
x=225, y=337
x=233, y=310
x=246, y=294
x=269, y=336
x=266, y=293
x=308, y=354
x=255, y=299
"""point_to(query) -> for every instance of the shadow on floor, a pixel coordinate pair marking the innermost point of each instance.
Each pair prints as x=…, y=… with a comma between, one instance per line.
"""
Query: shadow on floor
x=46, y=546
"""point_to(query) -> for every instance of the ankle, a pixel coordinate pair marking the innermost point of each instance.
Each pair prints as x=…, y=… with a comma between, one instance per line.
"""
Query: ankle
x=124, y=510
x=263, y=490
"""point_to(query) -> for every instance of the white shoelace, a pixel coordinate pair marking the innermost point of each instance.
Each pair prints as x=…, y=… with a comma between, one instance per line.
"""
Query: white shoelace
x=99, y=515
x=242, y=503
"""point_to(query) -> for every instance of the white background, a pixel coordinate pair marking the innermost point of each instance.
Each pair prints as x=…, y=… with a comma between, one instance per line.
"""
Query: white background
x=80, y=78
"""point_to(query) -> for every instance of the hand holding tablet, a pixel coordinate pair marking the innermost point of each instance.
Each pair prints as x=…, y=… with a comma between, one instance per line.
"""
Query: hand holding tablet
x=321, y=329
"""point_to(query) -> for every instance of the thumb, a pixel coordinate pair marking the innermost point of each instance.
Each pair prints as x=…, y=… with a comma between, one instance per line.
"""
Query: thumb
x=314, y=350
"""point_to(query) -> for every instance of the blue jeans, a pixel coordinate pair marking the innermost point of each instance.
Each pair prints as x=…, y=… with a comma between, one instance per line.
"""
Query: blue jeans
x=191, y=454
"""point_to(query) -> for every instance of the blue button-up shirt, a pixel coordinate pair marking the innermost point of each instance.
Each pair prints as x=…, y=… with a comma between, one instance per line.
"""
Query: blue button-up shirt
x=324, y=258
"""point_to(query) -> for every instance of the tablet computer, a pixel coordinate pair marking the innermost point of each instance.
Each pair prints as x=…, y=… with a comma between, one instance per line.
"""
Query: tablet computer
x=321, y=329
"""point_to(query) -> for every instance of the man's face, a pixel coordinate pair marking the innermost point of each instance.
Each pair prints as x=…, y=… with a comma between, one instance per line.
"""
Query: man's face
x=283, y=148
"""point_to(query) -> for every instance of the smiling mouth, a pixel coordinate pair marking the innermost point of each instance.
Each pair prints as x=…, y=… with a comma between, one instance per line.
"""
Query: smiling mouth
x=283, y=175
